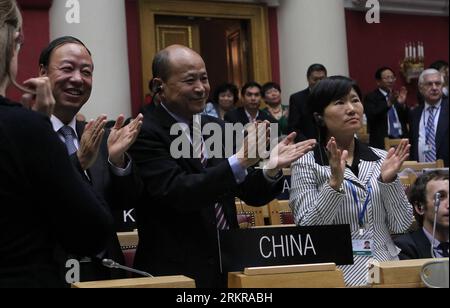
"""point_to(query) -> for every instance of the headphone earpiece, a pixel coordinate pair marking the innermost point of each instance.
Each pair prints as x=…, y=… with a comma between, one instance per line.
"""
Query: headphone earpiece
x=319, y=119
x=155, y=86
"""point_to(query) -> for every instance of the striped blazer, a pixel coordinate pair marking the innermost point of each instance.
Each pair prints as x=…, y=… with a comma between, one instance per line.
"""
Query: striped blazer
x=314, y=202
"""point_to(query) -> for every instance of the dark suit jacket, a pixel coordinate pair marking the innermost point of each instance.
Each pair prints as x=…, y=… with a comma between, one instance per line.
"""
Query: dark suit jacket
x=238, y=115
x=442, y=146
x=414, y=245
x=300, y=119
x=376, y=110
x=44, y=203
x=119, y=192
x=176, y=218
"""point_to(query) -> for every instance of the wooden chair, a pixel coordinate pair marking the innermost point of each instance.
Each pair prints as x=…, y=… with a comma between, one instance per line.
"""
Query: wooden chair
x=407, y=181
x=280, y=213
x=249, y=216
x=391, y=143
x=420, y=166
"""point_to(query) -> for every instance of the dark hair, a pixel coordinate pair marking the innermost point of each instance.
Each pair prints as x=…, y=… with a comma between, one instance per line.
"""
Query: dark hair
x=380, y=71
x=251, y=84
x=224, y=88
x=326, y=91
x=316, y=67
x=439, y=64
x=268, y=86
x=46, y=53
x=418, y=192
x=161, y=65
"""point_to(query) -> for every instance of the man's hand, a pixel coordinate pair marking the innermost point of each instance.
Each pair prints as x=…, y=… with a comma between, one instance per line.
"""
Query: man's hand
x=90, y=142
x=401, y=95
x=338, y=162
x=286, y=152
x=394, y=161
x=254, y=147
x=121, y=138
x=42, y=100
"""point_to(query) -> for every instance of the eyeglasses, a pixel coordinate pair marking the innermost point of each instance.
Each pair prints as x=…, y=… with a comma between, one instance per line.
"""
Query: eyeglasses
x=390, y=78
x=431, y=83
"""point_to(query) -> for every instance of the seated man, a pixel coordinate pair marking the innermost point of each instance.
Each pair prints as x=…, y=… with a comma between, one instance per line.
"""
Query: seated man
x=417, y=245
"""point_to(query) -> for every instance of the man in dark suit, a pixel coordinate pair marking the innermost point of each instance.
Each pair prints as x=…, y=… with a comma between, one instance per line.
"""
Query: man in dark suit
x=250, y=112
x=188, y=198
x=386, y=110
x=417, y=245
x=429, y=122
x=99, y=155
x=300, y=120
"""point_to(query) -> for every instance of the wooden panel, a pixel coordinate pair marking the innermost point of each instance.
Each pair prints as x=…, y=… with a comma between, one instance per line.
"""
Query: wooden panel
x=401, y=272
x=154, y=282
x=325, y=279
x=285, y=269
x=255, y=14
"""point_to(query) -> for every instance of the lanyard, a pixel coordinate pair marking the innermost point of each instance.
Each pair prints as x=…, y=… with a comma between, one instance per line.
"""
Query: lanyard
x=361, y=213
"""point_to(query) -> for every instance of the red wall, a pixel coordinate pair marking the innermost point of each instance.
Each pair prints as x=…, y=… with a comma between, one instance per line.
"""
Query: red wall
x=371, y=46
x=36, y=30
x=134, y=54
x=274, y=47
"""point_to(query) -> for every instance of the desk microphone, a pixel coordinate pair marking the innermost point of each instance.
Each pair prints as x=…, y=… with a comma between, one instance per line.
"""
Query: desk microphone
x=437, y=203
x=112, y=264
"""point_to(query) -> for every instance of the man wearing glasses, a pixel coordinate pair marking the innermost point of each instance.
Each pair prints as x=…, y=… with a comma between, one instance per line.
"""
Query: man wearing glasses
x=386, y=110
x=429, y=121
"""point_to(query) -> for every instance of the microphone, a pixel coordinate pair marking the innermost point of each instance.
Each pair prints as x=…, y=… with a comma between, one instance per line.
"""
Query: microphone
x=112, y=264
x=437, y=203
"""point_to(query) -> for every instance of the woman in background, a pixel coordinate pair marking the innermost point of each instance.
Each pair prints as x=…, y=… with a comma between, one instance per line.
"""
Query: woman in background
x=224, y=100
x=271, y=93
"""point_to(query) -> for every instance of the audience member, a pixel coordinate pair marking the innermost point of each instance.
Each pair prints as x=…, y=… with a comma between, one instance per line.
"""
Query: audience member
x=224, y=99
x=442, y=67
x=429, y=122
x=187, y=200
x=46, y=206
x=250, y=112
x=386, y=110
x=346, y=182
x=422, y=195
x=300, y=119
x=271, y=93
x=98, y=155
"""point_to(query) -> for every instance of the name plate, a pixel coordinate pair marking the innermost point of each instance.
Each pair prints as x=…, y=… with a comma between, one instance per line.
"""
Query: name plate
x=243, y=248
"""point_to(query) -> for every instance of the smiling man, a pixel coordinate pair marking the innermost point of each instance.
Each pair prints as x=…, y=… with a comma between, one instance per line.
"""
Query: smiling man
x=98, y=154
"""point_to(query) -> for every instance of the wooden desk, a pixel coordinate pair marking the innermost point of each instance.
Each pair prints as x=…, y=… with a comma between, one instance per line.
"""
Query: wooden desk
x=147, y=282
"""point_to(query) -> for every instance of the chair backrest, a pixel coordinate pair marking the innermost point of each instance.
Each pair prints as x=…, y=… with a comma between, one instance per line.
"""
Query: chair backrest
x=389, y=143
x=128, y=243
x=249, y=216
x=420, y=166
x=280, y=213
x=408, y=180
x=363, y=135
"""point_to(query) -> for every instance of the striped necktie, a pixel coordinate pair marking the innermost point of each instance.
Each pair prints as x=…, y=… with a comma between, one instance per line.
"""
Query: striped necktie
x=69, y=138
x=430, y=136
x=198, y=146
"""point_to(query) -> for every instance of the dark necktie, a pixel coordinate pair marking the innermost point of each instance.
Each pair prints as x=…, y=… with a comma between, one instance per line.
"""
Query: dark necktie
x=199, y=152
x=69, y=137
x=430, y=135
x=444, y=248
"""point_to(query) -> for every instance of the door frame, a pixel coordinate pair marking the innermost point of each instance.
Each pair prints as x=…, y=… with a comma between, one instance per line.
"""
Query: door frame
x=256, y=15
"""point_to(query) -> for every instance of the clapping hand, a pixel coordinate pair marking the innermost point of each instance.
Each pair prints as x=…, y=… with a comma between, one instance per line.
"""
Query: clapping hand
x=287, y=151
x=338, y=161
x=40, y=97
x=121, y=138
x=90, y=142
x=394, y=161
